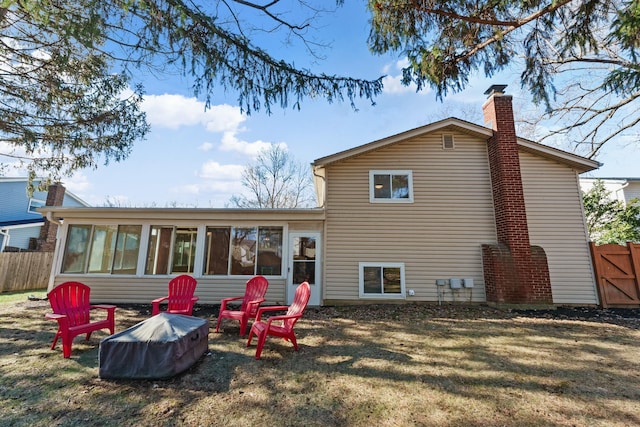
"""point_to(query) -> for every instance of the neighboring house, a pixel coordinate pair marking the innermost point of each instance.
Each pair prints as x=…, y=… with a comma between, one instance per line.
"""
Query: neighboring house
x=20, y=223
x=623, y=189
x=449, y=211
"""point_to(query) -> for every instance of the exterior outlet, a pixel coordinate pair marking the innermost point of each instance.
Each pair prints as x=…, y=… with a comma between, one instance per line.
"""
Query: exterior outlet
x=411, y=292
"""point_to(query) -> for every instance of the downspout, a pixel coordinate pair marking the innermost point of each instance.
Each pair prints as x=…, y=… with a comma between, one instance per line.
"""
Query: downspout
x=324, y=187
x=50, y=218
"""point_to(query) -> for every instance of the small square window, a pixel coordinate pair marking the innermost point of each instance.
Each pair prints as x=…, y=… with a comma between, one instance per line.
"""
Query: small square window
x=35, y=204
x=382, y=280
x=390, y=186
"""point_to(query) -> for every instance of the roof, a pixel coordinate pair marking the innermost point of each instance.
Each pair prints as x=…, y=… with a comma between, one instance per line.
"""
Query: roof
x=582, y=164
x=187, y=214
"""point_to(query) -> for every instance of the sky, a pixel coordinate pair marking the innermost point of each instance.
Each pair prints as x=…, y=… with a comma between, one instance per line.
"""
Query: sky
x=194, y=157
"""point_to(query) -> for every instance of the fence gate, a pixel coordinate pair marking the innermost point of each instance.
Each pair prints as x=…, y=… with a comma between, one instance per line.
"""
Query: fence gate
x=617, y=270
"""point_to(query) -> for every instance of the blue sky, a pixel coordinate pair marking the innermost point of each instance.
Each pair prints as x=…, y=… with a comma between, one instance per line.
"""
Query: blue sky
x=194, y=157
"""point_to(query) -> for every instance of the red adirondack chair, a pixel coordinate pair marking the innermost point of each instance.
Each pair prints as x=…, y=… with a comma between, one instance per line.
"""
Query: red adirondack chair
x=253, y=296
x=180, y=299
x=71, y=307
x=280, y=326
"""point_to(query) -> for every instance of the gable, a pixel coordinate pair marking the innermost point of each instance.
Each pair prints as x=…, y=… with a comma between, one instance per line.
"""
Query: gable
x=581, y=164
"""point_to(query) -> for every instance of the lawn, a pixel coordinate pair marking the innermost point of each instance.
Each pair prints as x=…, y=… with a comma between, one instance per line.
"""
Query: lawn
x=399, y=365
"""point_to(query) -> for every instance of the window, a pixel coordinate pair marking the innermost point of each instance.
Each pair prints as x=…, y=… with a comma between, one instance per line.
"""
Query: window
x=382, y=280
x=107, y=249
x=269, y=251
x=217, y=251
x=243, y=251
x=35, y=204
x=75, y=251
x=171, y=250
x=390, y=186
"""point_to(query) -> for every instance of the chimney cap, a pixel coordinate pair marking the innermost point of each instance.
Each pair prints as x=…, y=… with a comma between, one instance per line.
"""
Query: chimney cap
x=495, y=89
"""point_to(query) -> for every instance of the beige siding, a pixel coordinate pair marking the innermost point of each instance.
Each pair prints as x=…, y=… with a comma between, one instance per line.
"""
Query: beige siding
x=141, y=290
x=438, y=236
x=555, y=219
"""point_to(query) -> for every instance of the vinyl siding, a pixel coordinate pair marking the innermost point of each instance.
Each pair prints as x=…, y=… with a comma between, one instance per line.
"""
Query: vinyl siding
x=437, y=237
x=141, y=290
x=556, y=223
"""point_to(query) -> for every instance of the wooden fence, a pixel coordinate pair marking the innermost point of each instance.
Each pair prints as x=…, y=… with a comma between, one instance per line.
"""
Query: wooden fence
x=617, y=270
x=24, y=271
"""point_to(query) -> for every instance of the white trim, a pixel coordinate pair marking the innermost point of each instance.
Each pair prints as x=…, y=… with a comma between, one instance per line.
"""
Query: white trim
x=374, y=172
x=316, y=286
x=362, y=294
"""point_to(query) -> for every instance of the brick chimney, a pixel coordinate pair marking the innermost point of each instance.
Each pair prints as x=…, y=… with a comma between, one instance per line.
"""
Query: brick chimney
x=49, y=230
x=515, y=272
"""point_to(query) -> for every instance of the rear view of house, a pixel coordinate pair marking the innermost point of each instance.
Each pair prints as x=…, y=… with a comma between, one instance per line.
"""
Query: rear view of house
x=450, y=211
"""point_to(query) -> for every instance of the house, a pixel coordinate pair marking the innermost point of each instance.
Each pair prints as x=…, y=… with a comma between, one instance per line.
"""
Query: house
x=623, y=189
x=450, y=211
x=20, y=222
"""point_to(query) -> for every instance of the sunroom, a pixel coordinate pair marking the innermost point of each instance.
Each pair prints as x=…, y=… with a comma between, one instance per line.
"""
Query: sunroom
x=130, y=254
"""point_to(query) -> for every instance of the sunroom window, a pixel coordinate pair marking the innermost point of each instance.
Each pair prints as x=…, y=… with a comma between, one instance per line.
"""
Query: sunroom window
x=382, y=280
x=171, y=250
x=243, y=251
x=391, y=186
x=108, y=249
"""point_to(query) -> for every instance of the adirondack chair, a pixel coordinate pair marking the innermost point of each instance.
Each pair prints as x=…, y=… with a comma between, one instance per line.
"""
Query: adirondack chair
x=280, y=326
x=180, y=299
x=71, y=307
x=253, y=296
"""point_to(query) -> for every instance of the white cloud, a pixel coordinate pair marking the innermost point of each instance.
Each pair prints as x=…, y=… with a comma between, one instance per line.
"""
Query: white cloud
x=214, y=170
x=174, y=111
x=393, y=85
x=216, y=184
x=392, y=82
x=77, y=184
x=230, y=142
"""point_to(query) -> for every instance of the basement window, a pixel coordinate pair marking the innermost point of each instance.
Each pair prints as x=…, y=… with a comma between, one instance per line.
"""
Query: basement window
x=381, y=280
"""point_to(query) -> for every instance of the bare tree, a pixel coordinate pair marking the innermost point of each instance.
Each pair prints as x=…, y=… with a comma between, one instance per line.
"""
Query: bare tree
x=275, y=180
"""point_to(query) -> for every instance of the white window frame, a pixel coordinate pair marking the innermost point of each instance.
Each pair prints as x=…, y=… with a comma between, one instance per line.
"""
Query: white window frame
x=363, y=295
x=373, y=173
x=40, y=204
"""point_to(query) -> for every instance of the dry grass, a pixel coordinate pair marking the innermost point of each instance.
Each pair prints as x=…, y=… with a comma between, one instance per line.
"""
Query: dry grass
x=358, y=366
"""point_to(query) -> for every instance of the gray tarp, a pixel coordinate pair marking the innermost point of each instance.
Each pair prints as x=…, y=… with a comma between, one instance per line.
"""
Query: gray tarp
x=159, y=347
